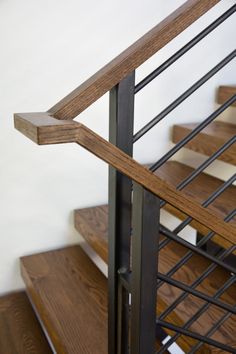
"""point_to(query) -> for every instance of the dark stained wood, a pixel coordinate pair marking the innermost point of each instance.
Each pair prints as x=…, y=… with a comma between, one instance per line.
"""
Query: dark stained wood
x=125, y=164
x=173, y=172
x=92, y=224
x=44, y=129
x=20, y=331
x=70, y=296
x=220, y=351
x=106, y=78
x=200, y=189
x=224, y=93
x=210, y=139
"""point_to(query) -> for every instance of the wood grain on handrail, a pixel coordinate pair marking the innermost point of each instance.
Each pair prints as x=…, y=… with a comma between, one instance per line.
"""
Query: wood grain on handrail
x=43, y=129
x=138, y=173
x=130, y=59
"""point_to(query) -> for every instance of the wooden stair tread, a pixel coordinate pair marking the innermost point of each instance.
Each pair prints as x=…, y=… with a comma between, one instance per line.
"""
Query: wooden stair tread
x=224, y=93
x=200, y=189
x=92, y=225
x=210, y=139
x=20, y=331
x=70, y=296
x=174, y=172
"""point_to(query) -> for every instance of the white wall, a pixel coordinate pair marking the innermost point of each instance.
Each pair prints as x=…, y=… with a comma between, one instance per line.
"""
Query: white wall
x=47, y=49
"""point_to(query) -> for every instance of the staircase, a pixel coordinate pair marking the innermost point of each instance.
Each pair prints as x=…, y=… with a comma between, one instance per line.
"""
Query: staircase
x=161, y=289
x=210, y=139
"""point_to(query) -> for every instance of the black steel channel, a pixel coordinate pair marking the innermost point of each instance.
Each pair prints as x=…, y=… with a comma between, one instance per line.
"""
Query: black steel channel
x=184, y=49
x=183, y=97
x=197, y=336
x=146, y=209
x=121, y=118
x=193, y=133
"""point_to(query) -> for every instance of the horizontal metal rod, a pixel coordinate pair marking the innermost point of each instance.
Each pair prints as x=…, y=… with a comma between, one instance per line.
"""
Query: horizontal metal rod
x=203, y=166
x=206, y=163
x=163, y=243
x=209, y=270
x=197, y=282
x=184, y=96
x=202, y=242
x=207, y=202
x=200, y=312
x=203, y=276
x=195, y=292
x=193, y=133
x=166, y=232
x=196, y=336
x=184, y=49
x=217, y=325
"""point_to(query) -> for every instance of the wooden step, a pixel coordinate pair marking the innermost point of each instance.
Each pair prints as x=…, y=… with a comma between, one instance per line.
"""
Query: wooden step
x=209, y=140
x=224, y=93
x=200, y=189
x=70, y=296
x=92, y=225
x=20, y=331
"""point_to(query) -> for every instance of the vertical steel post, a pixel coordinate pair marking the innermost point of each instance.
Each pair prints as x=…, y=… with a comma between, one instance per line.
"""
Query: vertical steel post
x=145, y=220
x=119, y=226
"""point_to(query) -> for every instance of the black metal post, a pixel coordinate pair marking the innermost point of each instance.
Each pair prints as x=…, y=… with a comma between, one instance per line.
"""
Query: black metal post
x=145, y=220
x=119, y=228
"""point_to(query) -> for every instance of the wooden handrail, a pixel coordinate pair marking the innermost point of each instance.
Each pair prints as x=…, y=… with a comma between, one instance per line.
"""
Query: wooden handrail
x=43, y=129
x=138, y=173
x=55, y=126
x=130, y=59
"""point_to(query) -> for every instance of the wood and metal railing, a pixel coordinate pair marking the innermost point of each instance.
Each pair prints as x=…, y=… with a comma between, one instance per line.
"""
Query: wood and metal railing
x=136, y=194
